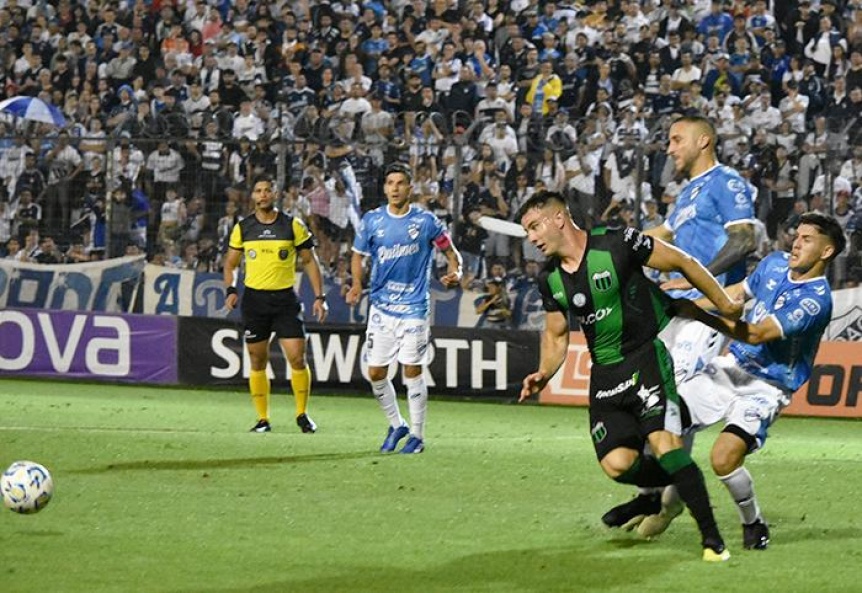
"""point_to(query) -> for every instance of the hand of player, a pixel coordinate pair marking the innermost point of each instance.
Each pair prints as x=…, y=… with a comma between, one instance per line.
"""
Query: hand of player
x=676, y=284
x=354, y=294
x=452, y=279
x=533, y=383
x=230, y=302
x=733, y=309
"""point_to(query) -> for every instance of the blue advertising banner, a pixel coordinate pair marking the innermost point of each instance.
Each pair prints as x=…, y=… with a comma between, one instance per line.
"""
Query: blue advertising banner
x=93, y=286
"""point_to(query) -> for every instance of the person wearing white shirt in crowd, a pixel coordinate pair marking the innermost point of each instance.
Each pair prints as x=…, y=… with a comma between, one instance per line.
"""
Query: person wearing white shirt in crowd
x=492, y=102
x=247, y=123
x=502, y=139
x=763, y=115
x=814, y=150
x=794, y=106
x=434, y=35
x=446, y=69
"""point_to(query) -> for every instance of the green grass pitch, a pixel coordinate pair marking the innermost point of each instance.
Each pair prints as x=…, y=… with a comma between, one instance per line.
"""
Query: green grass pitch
x=163, y=490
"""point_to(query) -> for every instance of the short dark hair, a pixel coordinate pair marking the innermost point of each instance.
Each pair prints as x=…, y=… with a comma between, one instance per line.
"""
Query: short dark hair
x=705, y=124
x=539, y=200
x=398, y=168
x=829, y=226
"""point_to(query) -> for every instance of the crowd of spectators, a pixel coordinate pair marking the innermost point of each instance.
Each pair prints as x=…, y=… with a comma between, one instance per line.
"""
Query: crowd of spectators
x=173, y=107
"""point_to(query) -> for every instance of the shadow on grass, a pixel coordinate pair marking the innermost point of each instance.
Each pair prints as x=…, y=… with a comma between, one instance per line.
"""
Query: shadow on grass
x=204, y=464
x=592, y=567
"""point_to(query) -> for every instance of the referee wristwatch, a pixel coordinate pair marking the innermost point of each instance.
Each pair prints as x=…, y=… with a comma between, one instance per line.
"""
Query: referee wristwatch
x=320, y=297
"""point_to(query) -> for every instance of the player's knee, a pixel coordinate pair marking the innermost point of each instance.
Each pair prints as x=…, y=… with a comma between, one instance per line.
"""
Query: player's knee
x=618, y=462
x=377, y=373
x=728, y=453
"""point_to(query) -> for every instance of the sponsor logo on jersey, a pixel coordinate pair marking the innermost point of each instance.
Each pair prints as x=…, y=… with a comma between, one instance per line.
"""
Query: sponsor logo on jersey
x=649, y=396
x=811, y=306
x=603, y=281
x=579, y=300
x=630, y=382
x=741, y=200
x=796, y=315
x=779, y=302
x=597, y=316
x=266, y=233
x=735, y=185
x=397, y=251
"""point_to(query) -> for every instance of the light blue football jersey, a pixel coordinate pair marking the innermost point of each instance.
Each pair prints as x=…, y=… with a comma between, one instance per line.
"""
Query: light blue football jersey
x=401, y=249
x=704, y=208
x=802, y=309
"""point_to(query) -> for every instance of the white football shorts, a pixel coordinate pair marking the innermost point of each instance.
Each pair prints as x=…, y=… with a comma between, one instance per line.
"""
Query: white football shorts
x=724, y=392
x=389, y=338
x=692, y=345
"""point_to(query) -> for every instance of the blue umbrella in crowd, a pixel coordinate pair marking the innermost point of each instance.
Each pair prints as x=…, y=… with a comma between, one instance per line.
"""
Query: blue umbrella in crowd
x=33, y=109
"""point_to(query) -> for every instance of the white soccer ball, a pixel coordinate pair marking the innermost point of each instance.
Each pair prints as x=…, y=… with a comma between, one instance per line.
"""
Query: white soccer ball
x=26, y=487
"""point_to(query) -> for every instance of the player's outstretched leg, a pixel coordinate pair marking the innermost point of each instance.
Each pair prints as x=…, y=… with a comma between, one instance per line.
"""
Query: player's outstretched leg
x=692, y=489
x=755, y=531
x=671, y=507
x=630, y=514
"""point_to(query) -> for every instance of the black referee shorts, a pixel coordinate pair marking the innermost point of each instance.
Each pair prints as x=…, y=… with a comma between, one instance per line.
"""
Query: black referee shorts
x=267, y=311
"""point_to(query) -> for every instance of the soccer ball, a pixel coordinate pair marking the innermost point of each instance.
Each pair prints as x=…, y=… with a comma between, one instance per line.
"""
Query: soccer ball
x=26, y=487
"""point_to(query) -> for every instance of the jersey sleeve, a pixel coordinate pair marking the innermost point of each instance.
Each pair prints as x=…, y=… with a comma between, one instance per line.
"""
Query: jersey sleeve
x=361, y=241
x=302, y=237
x=549, y=303
x=236, y=238
x=733, y=199
x=803, y=312
x=637, y=245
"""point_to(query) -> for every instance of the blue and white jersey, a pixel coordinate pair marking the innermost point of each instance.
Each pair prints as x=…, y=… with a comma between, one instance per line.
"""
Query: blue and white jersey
x=401, y=249
x=706, y=206
x=802, y=310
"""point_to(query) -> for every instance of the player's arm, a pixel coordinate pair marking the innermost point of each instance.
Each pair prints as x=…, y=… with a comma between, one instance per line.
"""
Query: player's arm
x=311, y=267
x=231, y=264
x=740, y=242
x=454, y=270
x=357, y=271
x=668, y=258
x=555, y=344
x=766, y=330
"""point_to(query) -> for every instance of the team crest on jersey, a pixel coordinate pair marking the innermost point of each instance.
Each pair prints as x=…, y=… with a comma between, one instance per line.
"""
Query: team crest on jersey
x=579, y=300
x=252, y=254
x=413, y=231
x=603, y=280
x=735, y=185
x=282, y=254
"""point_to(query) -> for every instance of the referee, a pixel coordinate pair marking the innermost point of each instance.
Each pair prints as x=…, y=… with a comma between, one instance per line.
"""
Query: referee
x=271, y=241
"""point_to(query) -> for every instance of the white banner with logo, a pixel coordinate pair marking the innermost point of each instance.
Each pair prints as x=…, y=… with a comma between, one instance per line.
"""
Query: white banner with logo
x=92, y=286
x=846, y=325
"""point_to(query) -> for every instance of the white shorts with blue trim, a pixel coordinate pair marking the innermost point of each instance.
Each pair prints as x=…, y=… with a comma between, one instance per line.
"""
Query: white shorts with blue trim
x=403, y=339
x=724, y=392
